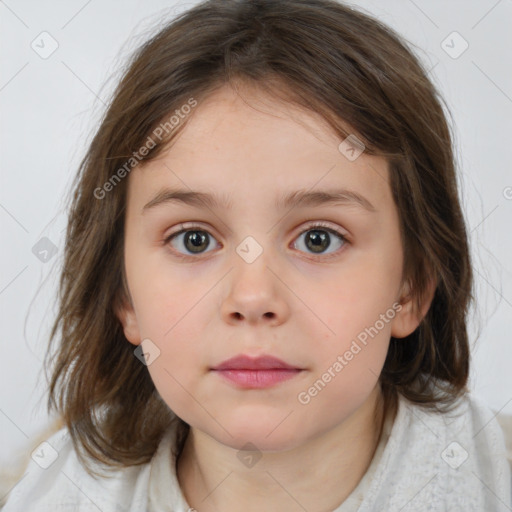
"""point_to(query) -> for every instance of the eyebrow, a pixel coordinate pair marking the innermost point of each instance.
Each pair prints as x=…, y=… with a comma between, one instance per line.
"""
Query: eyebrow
x=299, y=198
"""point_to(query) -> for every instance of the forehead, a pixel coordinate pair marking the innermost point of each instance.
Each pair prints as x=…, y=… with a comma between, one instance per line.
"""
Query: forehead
x=238, y=145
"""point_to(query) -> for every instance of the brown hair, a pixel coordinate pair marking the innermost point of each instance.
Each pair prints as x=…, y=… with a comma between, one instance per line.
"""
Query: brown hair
x=321, y=55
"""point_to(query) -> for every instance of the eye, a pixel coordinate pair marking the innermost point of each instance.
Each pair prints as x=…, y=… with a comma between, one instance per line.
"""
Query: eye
x=319, y=240
x=197, y=241
x=190, y=241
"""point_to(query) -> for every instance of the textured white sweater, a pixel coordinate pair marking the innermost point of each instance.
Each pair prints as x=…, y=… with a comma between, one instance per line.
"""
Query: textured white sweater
x=425, y=462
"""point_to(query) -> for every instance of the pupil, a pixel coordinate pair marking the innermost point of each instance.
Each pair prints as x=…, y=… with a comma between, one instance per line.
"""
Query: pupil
x=197, y=239
x=318, y=239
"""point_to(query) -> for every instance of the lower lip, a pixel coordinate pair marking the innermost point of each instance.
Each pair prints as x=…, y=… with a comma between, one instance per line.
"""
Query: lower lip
x=257, y=379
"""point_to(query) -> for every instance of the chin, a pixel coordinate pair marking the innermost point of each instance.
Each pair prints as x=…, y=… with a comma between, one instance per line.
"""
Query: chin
x=262, y=434
x=262, y=443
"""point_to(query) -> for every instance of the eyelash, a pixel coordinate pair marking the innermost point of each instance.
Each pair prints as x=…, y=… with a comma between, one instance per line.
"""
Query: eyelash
x=312, y=227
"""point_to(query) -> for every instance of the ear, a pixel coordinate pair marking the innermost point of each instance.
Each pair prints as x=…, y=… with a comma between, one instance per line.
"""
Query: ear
x=409, y=317
x=126, y=315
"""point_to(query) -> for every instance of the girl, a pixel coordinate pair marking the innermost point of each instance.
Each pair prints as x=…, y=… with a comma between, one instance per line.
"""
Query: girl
x=266, y=283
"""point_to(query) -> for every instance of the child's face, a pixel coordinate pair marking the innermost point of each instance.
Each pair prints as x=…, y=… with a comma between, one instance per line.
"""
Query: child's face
x=301, y=300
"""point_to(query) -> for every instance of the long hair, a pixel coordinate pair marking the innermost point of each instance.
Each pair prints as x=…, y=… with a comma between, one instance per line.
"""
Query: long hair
x=318, y=54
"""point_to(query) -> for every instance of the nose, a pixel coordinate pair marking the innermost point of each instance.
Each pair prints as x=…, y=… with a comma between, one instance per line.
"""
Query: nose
x=256, y=294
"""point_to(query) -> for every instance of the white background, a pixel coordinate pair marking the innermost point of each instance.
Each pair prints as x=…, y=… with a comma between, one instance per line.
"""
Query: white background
x=49, y=108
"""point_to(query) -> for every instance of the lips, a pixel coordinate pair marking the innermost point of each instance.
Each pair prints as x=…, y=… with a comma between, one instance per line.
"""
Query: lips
x=260, y=363
x=255, y=373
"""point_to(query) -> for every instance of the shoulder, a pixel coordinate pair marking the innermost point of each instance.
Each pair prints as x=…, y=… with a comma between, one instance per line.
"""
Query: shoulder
x=468, y=421
x=454, y=460
x=469, y=431
x=56, y=480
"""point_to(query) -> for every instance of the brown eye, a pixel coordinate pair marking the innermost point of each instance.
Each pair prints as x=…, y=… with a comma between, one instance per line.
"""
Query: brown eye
x=190, y=241
x=196, y=241
x=319, y=240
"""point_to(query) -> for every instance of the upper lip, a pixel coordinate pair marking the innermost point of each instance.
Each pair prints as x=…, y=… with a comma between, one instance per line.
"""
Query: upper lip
x=243, y=362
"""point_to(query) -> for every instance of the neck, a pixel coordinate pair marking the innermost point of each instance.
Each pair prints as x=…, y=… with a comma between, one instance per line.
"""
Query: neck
x=317, y=475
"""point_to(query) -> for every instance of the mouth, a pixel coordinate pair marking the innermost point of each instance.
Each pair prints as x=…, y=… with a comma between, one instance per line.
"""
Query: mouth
x=256, y=373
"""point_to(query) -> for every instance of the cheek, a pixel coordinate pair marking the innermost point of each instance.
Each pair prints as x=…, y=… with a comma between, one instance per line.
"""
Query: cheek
x=348, y=364
x=355, y=300
x=356, y=309
x=178, y=370
x=164, y=294
x=172, y=382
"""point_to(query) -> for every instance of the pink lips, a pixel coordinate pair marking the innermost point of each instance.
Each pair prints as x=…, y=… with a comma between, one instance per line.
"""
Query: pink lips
x=261, y=372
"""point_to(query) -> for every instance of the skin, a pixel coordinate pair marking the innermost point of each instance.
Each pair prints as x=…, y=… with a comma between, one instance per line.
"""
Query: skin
x=303, y=307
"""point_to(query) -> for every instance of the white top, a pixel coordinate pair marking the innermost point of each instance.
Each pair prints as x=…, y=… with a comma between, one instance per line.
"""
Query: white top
x=425, y=462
